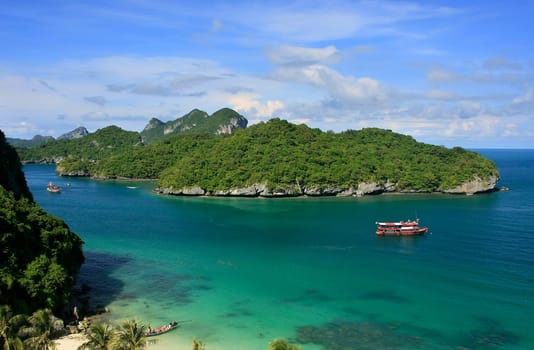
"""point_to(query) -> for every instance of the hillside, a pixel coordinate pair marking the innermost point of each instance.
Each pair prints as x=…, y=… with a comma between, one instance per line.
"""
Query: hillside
x=278, y=158
x=36, y=141
x=77, y=155
x=40, y=256
x=224, y=121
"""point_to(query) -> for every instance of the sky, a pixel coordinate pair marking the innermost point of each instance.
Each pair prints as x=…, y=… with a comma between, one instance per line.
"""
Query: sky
x=452, y=73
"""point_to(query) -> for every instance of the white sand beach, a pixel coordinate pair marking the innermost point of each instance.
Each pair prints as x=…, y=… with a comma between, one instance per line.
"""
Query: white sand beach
x=69, y=342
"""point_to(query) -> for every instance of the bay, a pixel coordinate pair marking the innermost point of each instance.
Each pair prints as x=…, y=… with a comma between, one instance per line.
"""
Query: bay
x=246, y=271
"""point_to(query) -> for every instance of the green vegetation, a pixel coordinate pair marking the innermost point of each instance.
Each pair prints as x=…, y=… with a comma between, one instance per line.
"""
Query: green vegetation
x=223, y=121
x=287, y=156
x=78, y=154
x=39, y=255
x=282, y=157
x=99, y=337
x=36, y=141
x=43, y=328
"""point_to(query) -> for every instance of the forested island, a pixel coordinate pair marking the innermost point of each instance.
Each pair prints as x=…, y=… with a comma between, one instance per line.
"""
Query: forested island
x=269, y=159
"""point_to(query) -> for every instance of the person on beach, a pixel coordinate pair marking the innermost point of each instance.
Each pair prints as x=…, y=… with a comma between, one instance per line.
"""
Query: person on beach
x=75, y=313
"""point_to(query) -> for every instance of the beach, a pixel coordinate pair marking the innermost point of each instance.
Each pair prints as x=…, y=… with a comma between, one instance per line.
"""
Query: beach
x=69, y=342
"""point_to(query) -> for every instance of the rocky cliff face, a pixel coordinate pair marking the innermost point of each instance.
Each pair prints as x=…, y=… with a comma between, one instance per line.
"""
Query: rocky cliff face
x=233, y=124
x=477, y=185
x=153, y=123
x=363, y=188
x=74, y=134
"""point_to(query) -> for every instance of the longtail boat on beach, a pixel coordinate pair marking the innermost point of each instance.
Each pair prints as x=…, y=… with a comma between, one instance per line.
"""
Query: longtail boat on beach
x=162, y=329
x=400, y=228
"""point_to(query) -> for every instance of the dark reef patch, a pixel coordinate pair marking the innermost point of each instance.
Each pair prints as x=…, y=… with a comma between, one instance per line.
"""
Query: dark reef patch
x=385, y=295
x=350, y=335
x=489, y=335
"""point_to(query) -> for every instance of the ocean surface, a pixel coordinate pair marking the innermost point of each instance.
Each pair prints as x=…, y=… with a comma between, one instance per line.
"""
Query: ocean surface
x=243, y=272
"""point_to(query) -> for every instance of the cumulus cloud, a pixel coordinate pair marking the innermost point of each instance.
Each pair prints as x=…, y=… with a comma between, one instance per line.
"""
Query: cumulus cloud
x=345, y=88
x=249, y=103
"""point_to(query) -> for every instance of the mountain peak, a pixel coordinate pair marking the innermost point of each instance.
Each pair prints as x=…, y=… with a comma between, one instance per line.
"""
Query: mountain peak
x=74, y=134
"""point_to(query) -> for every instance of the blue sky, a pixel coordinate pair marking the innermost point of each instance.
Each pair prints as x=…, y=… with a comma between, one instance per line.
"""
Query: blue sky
x=453, y=73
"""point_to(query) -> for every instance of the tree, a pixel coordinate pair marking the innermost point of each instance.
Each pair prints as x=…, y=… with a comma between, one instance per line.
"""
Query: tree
x=9, y=327
x=131, y=336
x=99, y=337
x=44, y=326
x=282, y=344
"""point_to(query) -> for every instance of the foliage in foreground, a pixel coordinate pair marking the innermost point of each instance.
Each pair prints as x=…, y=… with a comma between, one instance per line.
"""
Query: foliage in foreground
x=39, y=255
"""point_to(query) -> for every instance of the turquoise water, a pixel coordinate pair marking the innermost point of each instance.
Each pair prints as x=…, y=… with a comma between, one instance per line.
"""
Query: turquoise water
x=246, y=271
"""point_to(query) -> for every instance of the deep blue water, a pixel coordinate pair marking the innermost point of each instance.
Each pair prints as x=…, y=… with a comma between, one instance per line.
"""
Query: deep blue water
x=246, y=271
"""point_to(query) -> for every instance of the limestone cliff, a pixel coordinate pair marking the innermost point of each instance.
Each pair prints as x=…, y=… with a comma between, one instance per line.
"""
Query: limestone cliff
x=364, y=188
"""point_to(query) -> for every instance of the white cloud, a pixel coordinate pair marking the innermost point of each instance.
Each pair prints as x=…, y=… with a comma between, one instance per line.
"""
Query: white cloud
x=303, y=55
x=249, y=103
x=345, y=88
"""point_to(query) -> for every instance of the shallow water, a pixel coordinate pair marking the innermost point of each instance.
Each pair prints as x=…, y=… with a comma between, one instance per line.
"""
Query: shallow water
x=246, y=271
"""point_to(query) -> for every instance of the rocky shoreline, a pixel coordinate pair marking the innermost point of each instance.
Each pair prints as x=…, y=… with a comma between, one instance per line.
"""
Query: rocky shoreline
x=364, y=188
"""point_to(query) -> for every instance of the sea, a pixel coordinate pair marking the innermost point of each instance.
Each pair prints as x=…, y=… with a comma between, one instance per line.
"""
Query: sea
x=238, y=273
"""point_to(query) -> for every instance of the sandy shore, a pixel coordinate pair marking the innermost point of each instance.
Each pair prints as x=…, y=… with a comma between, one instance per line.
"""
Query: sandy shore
x=69, y=342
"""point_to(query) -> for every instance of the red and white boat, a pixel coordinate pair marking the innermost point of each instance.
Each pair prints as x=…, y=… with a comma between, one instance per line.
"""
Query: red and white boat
x=400, y=228
x=53, y=188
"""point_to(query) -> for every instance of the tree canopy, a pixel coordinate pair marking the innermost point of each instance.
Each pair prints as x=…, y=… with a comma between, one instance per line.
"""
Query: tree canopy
x=39, y=255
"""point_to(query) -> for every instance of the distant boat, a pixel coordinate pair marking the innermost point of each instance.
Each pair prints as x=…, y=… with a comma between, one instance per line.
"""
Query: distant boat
x=400, y=228
x=131, y=187
x=161, y=330
x=53, y=188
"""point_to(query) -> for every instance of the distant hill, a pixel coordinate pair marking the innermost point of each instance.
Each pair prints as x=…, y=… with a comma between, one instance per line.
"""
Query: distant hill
x=81, y=152
x=39, y=140
x=74, y=134
x=224, y=121
x=36, y=141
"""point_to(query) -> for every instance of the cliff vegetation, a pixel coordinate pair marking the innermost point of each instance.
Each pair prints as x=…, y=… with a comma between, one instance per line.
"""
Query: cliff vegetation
x=39, y=255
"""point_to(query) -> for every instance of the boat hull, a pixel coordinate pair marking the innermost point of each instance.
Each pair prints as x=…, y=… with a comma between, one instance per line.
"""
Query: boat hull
x=404, y=233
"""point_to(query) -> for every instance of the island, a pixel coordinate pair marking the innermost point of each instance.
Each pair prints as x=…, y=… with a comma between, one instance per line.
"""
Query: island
x=218, y=155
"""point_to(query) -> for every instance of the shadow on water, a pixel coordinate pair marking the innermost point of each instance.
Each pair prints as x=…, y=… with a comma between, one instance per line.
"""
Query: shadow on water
x=95, y=286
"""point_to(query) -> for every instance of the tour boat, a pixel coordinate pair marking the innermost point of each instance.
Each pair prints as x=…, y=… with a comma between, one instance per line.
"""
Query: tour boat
x=53, y=188
x=400, y=228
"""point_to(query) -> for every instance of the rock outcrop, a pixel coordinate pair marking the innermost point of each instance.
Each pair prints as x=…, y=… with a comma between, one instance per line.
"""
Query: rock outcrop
x=75, y=134
x=363, y=189
x=477, y=185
